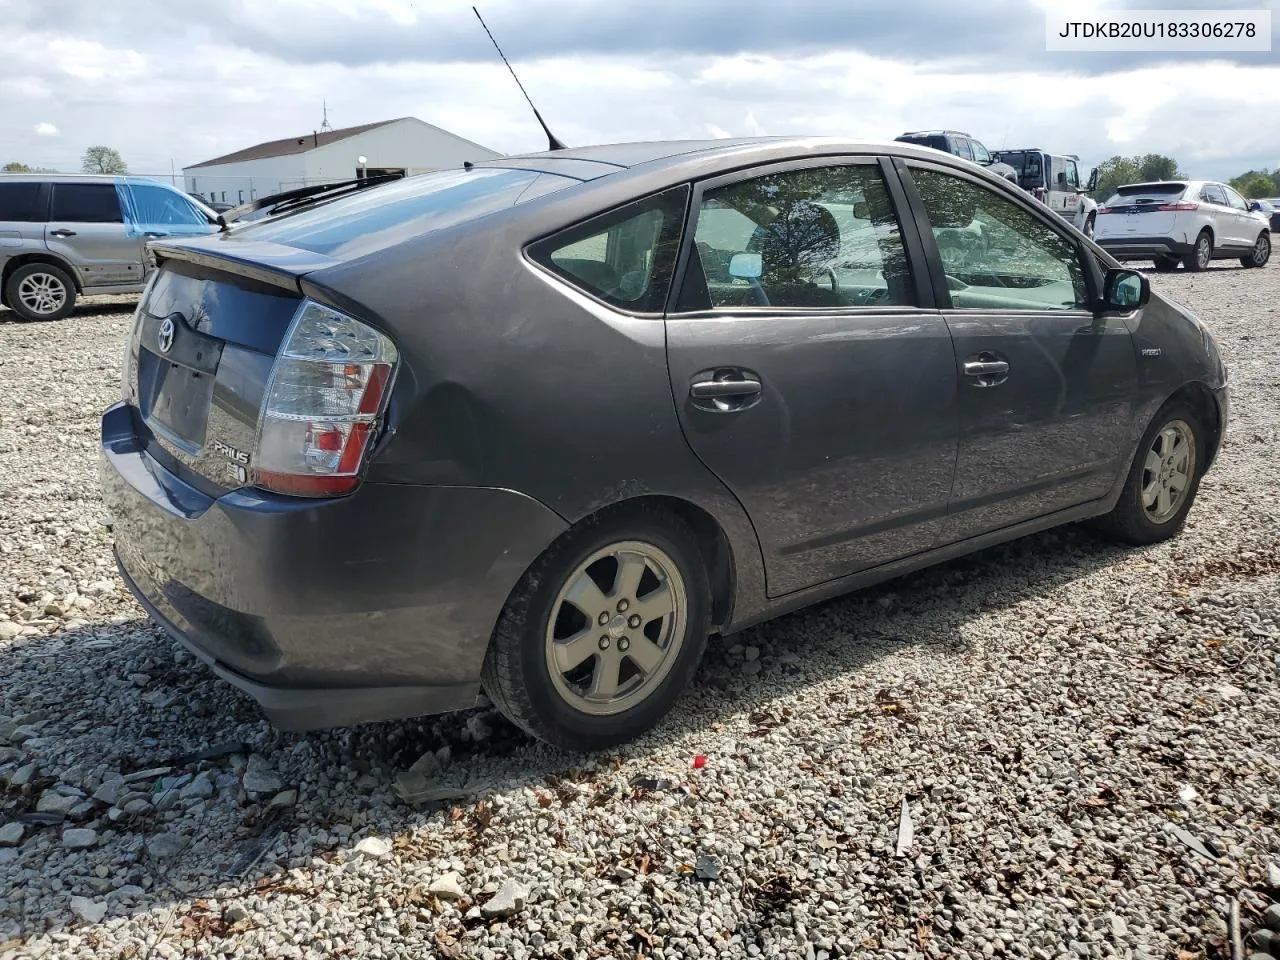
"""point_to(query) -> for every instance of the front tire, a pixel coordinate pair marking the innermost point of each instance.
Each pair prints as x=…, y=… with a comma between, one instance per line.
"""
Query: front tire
x=1201, y=254
x=603, y=632
x=1163, y=479
x=1261, y=252
x=40, y=291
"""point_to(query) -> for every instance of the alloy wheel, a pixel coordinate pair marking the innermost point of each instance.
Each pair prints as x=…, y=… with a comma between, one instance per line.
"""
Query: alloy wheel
x=1204, y=249
x=1262, y=250
x=1167, y=472
x=616, y=627
x=42, y=293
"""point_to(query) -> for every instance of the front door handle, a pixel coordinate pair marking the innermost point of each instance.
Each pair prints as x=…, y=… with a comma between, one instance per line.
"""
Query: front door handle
x=154, y=235
x=62, y=233
x=725, y=389
x=985, y=368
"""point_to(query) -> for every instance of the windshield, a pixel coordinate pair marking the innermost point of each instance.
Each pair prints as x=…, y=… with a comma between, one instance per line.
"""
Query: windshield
x=377, y=217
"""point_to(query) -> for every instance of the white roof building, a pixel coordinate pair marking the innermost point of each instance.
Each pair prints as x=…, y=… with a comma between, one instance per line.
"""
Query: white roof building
x=405, y=145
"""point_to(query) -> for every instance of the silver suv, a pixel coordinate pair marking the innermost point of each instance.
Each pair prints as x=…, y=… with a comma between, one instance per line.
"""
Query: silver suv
x=62, y=235
x=1191, y=222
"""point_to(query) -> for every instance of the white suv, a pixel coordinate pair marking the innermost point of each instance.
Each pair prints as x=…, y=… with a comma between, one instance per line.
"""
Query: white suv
x=1187, y=221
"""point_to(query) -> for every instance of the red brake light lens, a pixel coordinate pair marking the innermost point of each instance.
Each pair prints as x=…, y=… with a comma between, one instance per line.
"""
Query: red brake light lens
x=1175, y=207
x=329, y=385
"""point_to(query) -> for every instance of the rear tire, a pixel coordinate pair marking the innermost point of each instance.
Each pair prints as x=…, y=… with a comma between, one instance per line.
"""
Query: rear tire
x=1261, y=252
x=1165, y=265
x=1201, y=254
x=1163, y=479
x=564, y=662
x=40, y=291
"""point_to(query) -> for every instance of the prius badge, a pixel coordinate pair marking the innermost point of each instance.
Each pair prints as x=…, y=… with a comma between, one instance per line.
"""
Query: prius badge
x=164, y=339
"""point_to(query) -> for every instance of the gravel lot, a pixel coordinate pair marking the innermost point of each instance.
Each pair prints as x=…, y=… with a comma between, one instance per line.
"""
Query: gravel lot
x=1066, y=722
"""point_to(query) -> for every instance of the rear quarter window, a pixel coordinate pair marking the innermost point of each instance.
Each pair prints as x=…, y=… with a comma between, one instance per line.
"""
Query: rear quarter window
x=20, y=202
x=624, y=257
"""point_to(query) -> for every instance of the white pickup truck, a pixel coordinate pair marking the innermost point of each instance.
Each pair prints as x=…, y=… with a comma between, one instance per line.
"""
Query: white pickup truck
x=1054, y=179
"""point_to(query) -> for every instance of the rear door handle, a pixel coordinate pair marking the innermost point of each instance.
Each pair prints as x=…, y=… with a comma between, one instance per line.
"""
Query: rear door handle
x=717, y=389
x=725, y=389
x=62, y=233
x=985, y=368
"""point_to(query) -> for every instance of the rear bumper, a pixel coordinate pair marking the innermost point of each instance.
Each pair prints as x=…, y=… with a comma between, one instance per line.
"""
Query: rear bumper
x=1143, y=248
x=374, y=606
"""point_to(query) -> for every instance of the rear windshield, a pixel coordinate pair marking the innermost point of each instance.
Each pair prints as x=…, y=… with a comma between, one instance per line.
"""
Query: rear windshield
x=938, y=143
x=1028, y=163
x=1151, y=190
x=381, y=216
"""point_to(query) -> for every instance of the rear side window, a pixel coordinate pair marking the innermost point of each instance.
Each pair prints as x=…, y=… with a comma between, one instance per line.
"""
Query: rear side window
x=1213, y=193
x=21, y=202
x=381, y=216
x=962, y=148
x=85, y=203
x=624, y=257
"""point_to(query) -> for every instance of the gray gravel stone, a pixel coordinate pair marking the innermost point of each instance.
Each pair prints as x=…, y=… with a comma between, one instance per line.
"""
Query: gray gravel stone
x=1047, y=706
x=509, y=900
x=11, y=834
x=79, y=838
x=448, y=887
x=90, y=911
x=165, y=846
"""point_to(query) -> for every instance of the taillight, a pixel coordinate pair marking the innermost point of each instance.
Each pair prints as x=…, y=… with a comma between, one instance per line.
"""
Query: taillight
x=329, y=384
x=1175, y=207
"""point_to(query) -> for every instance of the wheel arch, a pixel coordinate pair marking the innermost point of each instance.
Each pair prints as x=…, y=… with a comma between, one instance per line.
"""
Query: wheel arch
x=22, y=259
x=713, y=543
x=1202, y=401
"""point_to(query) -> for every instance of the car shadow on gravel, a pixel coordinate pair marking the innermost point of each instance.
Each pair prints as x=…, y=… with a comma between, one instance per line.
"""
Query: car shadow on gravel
x=345, y=776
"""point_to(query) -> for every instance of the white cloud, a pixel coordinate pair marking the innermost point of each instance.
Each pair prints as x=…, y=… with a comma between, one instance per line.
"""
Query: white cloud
x=235, y=84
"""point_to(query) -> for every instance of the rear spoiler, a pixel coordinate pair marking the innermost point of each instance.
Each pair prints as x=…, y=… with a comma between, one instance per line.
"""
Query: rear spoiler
x=271, y=263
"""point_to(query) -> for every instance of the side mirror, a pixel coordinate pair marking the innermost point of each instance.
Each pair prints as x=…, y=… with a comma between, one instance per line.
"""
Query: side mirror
x=1254, y=206
x=1125, y=290
x=1093, y=180
x=746, y=266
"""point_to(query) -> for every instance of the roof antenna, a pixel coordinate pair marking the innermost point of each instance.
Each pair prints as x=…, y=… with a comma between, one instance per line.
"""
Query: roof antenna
x=324, y=126
x=551, y=137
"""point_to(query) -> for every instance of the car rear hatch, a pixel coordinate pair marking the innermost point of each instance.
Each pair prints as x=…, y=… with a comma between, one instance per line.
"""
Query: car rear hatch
x=1141, y=210
x=199, y=356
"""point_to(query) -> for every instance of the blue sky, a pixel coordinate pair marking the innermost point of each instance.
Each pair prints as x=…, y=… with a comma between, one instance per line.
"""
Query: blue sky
x=184, y=81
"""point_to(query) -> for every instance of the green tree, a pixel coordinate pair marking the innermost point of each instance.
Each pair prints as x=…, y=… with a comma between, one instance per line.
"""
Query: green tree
x=103, y=160
x=1118, y=171
x=1155, y=166
x=13, y=166
x=1256, y=187
x=1258, y=183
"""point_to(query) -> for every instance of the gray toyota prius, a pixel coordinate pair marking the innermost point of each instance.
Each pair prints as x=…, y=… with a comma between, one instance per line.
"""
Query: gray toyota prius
x=540, y=425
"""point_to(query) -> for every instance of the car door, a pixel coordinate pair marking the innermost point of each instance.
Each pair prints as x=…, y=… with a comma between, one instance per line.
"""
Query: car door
x=86, y=228
x=1047, y=386
x=811, y=372
x=1070, y=182
x=1220, y=216
x=1245, y=226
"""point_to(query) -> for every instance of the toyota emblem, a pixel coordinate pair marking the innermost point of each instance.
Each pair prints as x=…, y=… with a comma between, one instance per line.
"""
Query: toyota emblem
x=165, y=337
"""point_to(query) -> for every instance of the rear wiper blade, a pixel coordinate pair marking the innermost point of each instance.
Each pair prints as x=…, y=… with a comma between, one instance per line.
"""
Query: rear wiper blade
x=300, y=197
